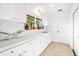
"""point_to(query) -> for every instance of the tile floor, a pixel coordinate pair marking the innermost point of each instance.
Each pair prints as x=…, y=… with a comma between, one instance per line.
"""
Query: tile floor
x=57, y=49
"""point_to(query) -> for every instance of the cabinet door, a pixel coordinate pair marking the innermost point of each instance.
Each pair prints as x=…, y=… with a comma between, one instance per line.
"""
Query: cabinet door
x=37, y=49
x=7, y=11
x=45, y=41
x=40, y=43
x=21, y=50
x=28, y=49
x=12, y=52
x=20, y=12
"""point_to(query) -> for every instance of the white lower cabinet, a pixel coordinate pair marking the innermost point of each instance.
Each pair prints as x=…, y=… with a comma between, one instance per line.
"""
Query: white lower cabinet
x=41, y=43
x=32, y=48
x=45, y=41
x=12, y=52
x=28, y=49
x=37, y=46
x=22, y=50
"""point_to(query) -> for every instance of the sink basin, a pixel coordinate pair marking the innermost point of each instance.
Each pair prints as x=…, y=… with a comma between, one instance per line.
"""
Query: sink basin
x=3, y=35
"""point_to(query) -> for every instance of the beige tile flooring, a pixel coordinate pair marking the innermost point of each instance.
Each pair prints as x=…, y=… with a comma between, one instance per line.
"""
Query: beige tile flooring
x=57, y=49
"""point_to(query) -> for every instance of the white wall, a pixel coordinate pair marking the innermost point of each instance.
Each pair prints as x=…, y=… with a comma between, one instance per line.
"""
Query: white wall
x=64, y=26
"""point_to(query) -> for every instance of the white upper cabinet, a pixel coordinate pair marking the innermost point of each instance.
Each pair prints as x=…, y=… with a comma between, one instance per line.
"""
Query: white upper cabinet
x=13, y=11
x=20, y=12
x=7, y=11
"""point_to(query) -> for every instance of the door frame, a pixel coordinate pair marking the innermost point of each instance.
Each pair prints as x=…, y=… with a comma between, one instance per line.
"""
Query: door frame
x=73, y=29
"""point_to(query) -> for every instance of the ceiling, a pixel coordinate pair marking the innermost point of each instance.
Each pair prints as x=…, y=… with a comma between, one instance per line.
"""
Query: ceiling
x=47, y=9
x=50, y=8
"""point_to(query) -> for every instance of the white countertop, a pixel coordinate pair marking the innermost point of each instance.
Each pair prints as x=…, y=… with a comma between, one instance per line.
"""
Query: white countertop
x=9, y=26
x=22, y=38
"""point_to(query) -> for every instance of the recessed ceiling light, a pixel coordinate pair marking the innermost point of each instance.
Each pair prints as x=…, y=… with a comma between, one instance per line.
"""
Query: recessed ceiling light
x=39, y=10
x=51, y=5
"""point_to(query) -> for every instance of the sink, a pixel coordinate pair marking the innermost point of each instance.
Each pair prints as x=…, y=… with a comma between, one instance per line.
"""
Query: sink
x=3, y=35
x=6, y=36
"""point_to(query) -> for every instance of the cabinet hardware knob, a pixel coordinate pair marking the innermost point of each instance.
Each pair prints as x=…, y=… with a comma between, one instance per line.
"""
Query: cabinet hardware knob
x=19, y=54
x=13, y=17
x=25, y=51
x=29, y=43
x=12, y=51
